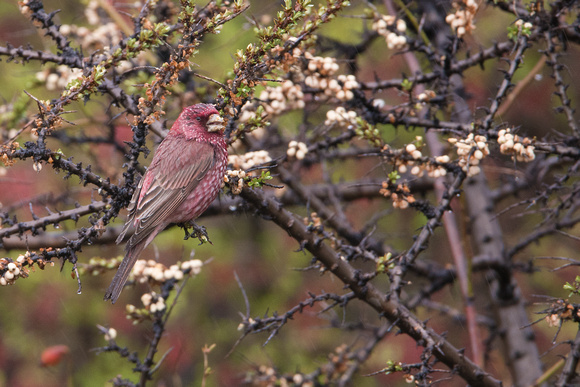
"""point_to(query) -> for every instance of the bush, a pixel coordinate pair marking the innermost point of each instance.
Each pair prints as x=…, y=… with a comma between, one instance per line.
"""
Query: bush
x=399, y=205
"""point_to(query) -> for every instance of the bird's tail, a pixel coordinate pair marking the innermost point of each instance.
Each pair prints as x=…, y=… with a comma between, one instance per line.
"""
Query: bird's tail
x=131, y=254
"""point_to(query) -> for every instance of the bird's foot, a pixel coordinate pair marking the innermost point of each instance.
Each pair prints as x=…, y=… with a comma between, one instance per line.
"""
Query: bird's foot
x=198, y=232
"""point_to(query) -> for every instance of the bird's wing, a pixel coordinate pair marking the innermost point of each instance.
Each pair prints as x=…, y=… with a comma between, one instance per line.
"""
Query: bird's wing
x=178, y=167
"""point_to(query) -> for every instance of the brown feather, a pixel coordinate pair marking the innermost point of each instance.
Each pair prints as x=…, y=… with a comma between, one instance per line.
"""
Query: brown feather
x=166, y=185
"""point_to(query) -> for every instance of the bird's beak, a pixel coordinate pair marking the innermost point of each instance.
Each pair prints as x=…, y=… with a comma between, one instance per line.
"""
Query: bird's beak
x=215, y=123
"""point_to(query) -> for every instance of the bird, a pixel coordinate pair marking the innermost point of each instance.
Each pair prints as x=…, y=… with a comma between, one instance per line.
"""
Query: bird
x=183, y=179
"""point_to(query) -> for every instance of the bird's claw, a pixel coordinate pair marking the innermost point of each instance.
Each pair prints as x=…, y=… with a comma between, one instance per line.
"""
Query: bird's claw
x=198, y=232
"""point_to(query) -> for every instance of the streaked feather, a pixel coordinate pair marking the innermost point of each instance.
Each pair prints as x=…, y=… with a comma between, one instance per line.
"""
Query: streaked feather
x=158, y=195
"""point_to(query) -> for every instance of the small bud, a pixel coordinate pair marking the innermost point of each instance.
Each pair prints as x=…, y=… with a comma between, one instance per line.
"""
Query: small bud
x=111, y=334
x=146, y=299
x=401, y=25
x=196, y=265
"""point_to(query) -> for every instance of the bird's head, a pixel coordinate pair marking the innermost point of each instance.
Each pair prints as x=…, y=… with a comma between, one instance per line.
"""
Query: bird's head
x=199, y=119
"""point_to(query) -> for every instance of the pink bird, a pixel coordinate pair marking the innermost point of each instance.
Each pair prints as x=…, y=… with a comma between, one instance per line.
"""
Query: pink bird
x=183, y=179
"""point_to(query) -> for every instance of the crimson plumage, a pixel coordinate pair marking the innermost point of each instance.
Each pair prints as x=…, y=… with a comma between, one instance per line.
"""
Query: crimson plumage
x=183, y=179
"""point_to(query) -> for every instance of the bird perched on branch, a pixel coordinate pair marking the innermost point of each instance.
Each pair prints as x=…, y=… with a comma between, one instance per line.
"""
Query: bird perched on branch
x=183, y=179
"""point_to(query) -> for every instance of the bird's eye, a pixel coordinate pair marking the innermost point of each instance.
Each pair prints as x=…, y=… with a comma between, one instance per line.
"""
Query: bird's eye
x=198, y=118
